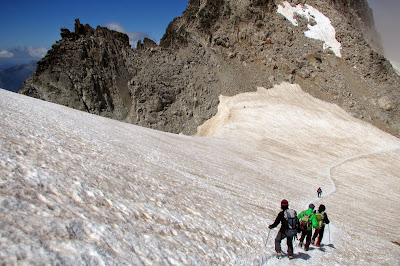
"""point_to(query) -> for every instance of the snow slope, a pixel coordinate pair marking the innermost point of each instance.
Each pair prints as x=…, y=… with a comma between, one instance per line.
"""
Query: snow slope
x=79, y=189
x=396, y=66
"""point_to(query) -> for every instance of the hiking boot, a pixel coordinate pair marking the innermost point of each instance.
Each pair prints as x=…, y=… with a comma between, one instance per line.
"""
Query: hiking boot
x=300, y=244
x=279, y=255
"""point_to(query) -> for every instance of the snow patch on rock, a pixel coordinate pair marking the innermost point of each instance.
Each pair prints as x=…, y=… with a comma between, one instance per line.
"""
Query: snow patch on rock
x=322, y=30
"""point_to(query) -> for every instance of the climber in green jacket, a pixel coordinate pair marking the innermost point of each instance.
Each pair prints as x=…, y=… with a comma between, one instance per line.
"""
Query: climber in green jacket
x=322, y=219
x=308, y=221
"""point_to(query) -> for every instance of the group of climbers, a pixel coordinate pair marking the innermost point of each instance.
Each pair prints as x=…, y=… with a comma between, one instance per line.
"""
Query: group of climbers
x=304, y=223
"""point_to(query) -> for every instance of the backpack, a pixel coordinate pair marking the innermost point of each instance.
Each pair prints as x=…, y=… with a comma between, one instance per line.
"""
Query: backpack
x=320, y=219
x=292, y=221
x=305, y=222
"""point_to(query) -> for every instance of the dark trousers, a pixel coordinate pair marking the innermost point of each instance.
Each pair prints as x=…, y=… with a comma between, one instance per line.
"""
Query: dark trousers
x=319, y=233
x=307, y=235
x=279, y=237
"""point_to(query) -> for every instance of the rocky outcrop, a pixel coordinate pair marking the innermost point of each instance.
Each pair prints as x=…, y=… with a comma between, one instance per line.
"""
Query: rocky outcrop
x=88, y=69
x=147, y=43
x=221, y=47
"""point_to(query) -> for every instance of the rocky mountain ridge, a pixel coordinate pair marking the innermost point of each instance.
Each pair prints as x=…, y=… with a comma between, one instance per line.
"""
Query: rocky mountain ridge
x=87, y=70
x=221, y=47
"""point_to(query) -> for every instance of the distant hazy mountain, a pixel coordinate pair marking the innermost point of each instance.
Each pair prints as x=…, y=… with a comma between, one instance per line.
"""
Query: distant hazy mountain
x=13, y=77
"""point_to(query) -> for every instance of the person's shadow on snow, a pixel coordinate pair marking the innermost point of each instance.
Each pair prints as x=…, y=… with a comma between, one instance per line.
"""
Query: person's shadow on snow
x=323, y=248
x=301, y=255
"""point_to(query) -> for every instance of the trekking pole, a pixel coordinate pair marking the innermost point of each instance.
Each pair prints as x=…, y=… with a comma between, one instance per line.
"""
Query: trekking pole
x=329, y=229
x=266, y=242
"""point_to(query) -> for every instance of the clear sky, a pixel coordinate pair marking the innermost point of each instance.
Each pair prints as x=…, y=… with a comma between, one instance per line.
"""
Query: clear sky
x=28, y=28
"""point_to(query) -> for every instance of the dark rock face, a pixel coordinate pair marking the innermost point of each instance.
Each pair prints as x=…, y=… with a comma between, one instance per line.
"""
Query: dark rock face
x=88, y=70
x=360, y=15
x=220, y=47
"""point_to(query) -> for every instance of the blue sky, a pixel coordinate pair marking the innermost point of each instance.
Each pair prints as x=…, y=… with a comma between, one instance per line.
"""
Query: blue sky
x=29, y=27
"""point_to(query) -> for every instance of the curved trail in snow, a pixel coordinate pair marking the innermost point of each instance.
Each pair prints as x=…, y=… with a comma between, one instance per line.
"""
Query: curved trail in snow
x=346, y=160
x=275, y=112
x=269, y=257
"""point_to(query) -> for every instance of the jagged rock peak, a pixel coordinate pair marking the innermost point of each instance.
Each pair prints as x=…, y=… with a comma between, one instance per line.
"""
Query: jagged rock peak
x=88, y=69
x=147, y=43
x=86, y=31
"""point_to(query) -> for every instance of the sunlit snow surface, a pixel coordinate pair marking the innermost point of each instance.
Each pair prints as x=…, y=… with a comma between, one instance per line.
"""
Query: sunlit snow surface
x=396, y=66
x=79, y=189
x=322, y=30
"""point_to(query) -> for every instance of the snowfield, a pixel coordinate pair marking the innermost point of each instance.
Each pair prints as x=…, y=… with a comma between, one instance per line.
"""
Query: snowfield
x=79, y=189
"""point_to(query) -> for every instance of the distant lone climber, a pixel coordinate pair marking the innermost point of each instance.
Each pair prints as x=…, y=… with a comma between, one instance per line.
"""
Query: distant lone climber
x=319, y=191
